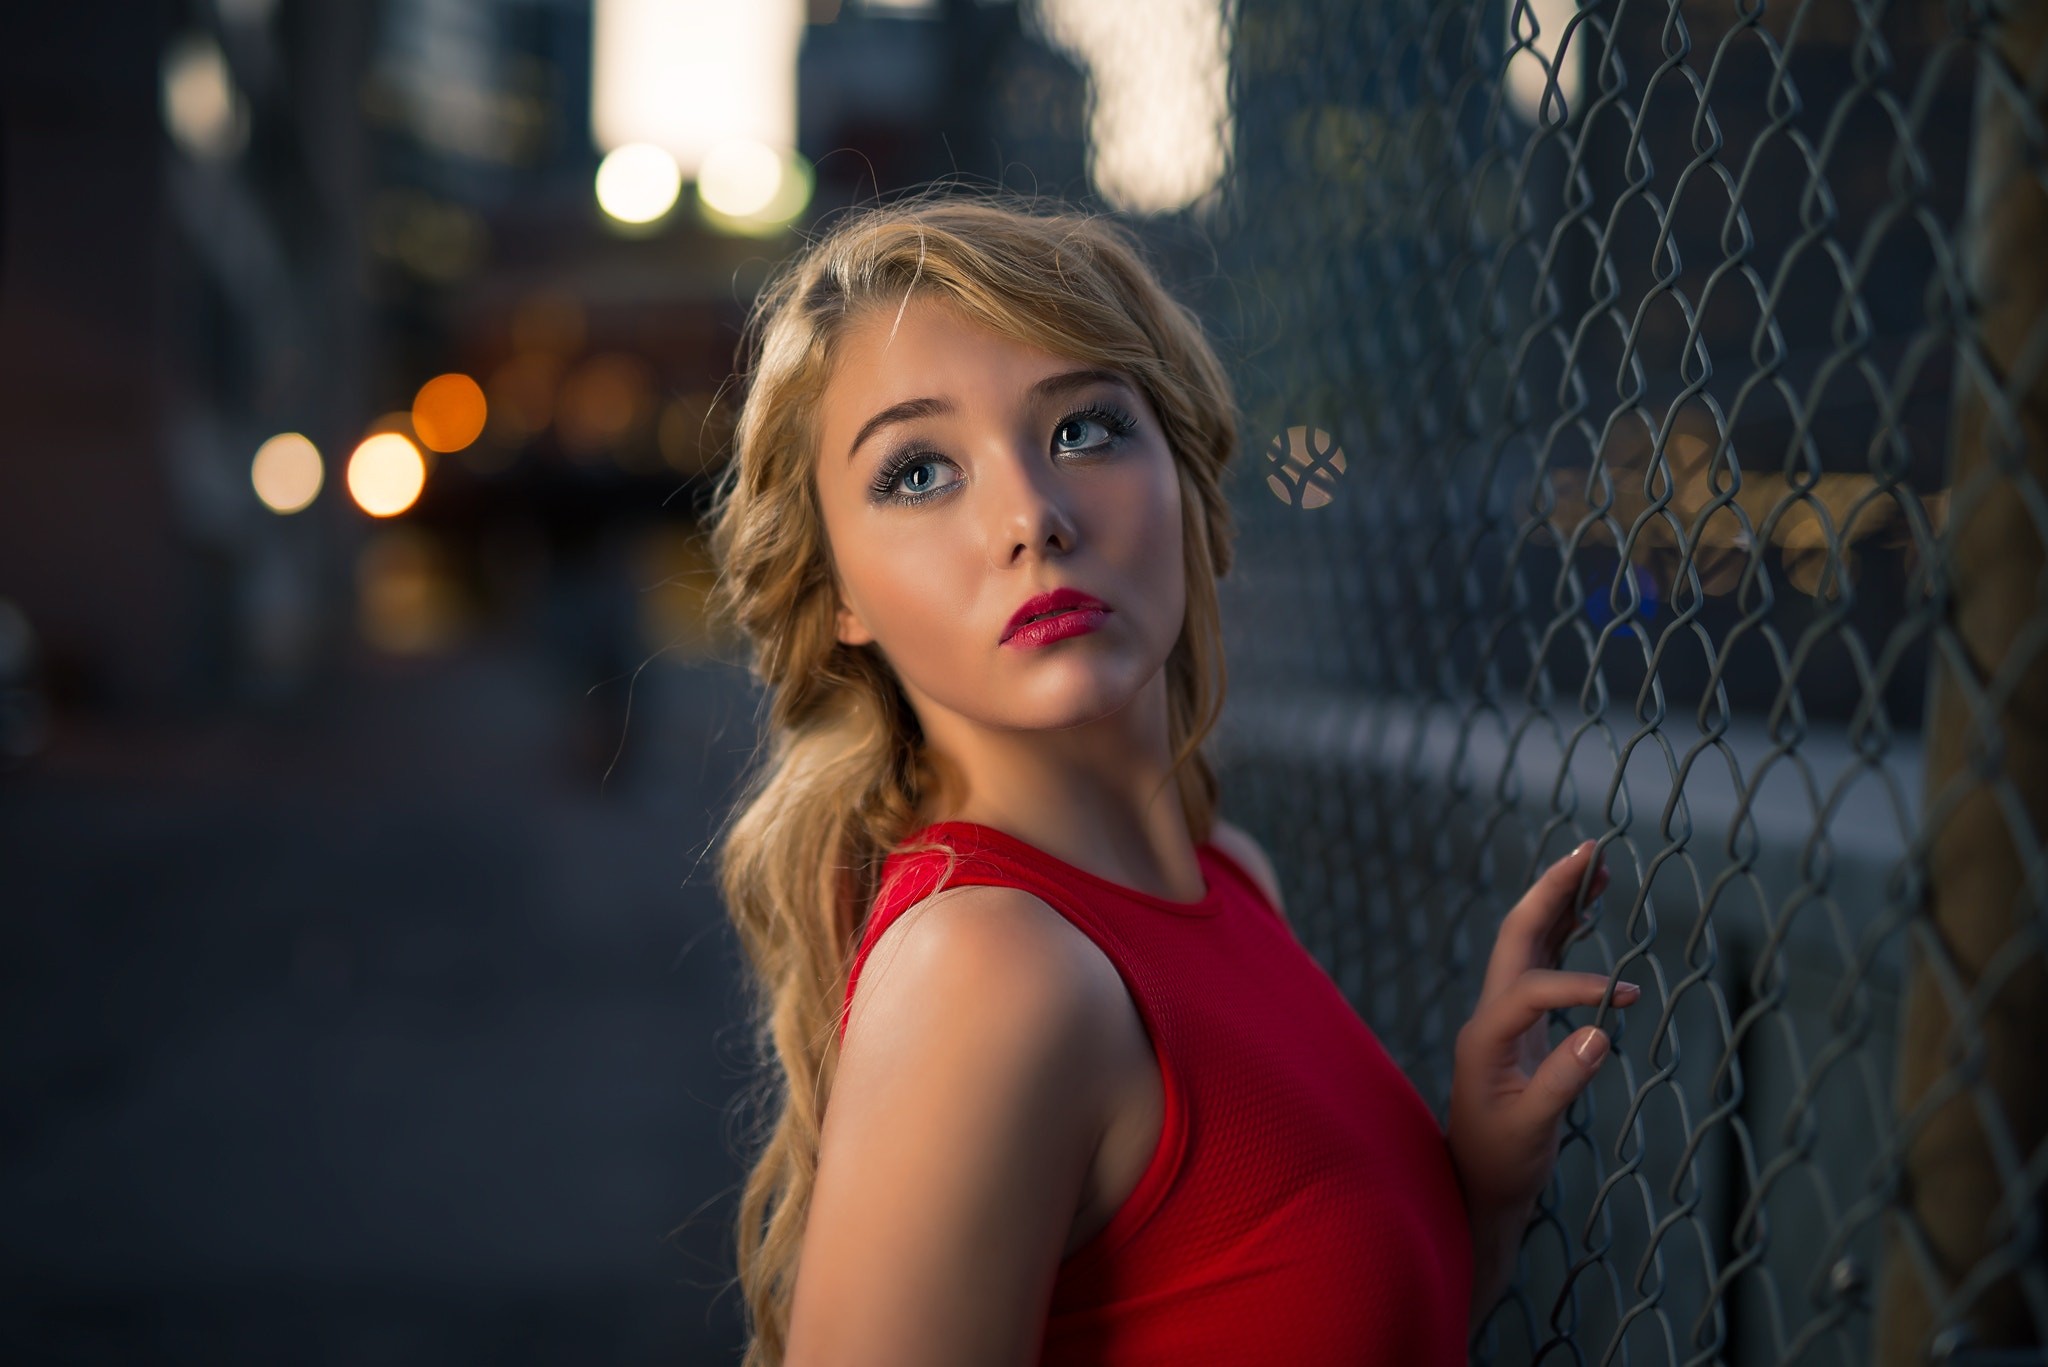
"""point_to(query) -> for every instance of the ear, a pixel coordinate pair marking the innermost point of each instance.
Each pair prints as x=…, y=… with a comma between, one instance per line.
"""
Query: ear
x=850, y=629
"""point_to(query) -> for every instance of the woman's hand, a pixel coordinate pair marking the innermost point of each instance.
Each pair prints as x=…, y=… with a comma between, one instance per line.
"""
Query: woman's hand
x=1509, y=1089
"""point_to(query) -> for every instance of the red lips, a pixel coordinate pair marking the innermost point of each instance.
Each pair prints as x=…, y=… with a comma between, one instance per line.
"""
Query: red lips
x=1059, y=600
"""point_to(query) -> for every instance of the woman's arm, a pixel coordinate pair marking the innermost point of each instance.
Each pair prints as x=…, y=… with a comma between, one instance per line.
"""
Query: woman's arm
x=962, y=1123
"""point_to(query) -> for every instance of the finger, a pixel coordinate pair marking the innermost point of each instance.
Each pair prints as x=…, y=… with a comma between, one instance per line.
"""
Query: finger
x=1562, y=928
x=1499, y=1023
x=1561, y=1077
x=1526, y=930
x=1519, y=946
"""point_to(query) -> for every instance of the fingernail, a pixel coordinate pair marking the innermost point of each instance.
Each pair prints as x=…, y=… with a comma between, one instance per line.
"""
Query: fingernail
x=1627, y=990
x=1593, y=1048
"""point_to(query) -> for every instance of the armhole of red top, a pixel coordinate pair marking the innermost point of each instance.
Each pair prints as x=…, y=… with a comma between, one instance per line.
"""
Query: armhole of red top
x=1244, y=876
x=1168, y=1155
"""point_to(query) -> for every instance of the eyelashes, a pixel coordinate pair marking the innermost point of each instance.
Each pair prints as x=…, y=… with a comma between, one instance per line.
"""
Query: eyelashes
x=890, y=484
x=883, y=489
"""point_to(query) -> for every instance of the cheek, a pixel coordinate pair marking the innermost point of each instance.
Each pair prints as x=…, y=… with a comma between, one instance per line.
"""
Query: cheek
x=909, y=590
x=1155, y=535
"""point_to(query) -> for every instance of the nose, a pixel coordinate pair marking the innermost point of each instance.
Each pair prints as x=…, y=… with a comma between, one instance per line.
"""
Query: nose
x=1029, y=509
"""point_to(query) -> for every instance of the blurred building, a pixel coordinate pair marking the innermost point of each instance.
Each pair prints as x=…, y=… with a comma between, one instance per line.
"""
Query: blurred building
x=181, y=278
x=248, y=218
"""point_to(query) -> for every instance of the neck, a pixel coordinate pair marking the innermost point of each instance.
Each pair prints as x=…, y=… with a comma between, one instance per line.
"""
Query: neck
x=1100, y=796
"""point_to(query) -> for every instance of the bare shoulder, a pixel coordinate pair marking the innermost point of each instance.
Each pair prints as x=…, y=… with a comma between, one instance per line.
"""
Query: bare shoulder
x=1236, y=842
x=981, y=954
x=956, y=1146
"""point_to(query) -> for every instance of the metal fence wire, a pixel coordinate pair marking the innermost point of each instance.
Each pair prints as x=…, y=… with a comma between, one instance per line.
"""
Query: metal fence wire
x=1647, y=437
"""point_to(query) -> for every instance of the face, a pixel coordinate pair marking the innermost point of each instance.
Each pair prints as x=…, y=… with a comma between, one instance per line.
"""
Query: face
x=962, y=475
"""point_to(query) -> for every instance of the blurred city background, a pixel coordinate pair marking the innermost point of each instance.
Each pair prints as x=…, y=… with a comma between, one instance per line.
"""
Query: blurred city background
x=366, y=998
x=1635, y=448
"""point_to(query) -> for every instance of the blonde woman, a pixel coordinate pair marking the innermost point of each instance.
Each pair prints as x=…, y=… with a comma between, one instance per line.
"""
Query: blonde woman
x=1057, y=1083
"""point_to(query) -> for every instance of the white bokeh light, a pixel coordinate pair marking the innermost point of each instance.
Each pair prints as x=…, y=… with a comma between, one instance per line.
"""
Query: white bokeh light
x=202, y=107
x=1526, y=78
x=740, y=177
x=1159, y=127
x=287, y=473
x=638, y=183
x=386, y=474
x=688, y=75
x=753, y=191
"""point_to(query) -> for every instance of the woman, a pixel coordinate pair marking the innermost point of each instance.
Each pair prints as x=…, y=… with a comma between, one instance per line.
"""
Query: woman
x=1089, y=1100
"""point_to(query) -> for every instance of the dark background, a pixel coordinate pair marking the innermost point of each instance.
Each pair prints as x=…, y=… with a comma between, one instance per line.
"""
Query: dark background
x=366, y=996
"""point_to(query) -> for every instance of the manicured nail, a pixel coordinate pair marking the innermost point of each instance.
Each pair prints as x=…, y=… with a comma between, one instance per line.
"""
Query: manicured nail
x=1593, y=1048
x=1629, y=990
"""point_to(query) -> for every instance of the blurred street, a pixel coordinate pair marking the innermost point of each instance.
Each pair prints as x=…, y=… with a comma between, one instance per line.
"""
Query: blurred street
x=366, y=371
x=375, y=1030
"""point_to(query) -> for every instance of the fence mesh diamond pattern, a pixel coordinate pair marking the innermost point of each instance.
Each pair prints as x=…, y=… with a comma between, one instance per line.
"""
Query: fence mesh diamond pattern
x=1647, y=440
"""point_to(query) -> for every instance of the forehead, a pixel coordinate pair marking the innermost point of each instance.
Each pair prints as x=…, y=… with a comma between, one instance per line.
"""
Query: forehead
x=926, y=348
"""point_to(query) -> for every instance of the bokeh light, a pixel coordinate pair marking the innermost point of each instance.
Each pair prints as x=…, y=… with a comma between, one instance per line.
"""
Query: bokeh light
x=687, y=75
x=740, y=177
x=409, y=599
x=1302, y=466
x=692, y=432
x=677, y=570
x=549, y=321
x=429, y=235
x=287, y=472
x=386, y=474
x=522, y=395
x=749, y=189
x=638, y=183
x=205, y=113
x=602, y=403
x=1539, y=25
x=448, y=413
x=1159, y=122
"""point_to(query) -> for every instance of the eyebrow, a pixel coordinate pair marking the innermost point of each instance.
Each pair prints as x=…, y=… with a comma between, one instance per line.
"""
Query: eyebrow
x=912, y=409
x=907, y=411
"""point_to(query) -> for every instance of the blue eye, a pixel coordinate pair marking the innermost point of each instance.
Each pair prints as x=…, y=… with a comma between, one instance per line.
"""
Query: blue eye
x=1091, y=429
x=910, y=477
x=1078, y=434
x=917, y=480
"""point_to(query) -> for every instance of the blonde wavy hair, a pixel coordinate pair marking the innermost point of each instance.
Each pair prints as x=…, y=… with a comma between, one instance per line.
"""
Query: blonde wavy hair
x=841, y=775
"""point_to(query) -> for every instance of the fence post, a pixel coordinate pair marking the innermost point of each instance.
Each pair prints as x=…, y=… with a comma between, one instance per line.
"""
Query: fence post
x=1965, y=1265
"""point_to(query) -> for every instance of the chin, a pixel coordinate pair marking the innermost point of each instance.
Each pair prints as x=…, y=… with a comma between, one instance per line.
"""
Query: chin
x=1070, y=698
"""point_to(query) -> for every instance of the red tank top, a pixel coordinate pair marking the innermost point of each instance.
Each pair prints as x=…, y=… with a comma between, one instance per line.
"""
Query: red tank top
x=1301, y=1206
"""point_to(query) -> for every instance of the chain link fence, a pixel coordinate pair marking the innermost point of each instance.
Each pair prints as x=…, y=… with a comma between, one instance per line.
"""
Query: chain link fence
x=1648, y=441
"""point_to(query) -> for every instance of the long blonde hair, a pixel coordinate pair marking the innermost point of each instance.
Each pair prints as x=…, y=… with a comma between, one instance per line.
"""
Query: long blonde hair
x=843, y=773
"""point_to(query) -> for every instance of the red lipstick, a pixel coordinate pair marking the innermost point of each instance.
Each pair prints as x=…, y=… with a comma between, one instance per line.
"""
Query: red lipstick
x=1059, y=614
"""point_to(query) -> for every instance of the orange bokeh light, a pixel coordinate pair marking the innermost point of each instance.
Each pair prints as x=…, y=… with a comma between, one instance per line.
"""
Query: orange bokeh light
x=602, y=402
x=448, y=413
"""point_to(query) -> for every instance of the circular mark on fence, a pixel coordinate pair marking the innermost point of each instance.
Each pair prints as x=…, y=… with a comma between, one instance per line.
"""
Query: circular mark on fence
x=1302, y=465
